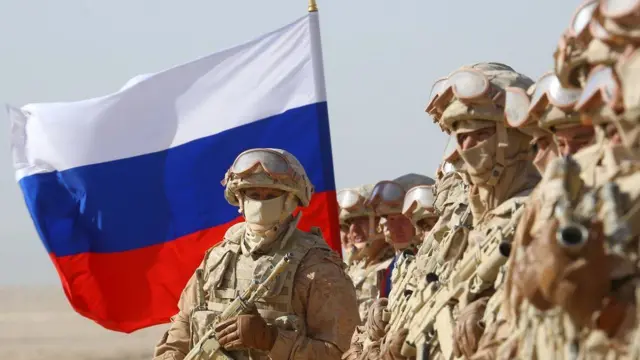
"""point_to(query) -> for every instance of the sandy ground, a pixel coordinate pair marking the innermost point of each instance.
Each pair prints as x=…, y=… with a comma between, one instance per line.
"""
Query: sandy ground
x=38, y=323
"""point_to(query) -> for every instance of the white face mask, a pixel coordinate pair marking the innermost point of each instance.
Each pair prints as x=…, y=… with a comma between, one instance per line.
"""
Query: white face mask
x=267, y=213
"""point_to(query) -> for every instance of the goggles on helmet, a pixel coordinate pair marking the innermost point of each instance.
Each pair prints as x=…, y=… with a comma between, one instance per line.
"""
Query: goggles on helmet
x=548, y=90
x=467, y=85
x=579, y=25
x=447, y=167
x=349, y=199
x=574, y=42
x=519, y=107
x=256, y=160
x=386, y=193
x=601, y=89
x=418, y=196
x=585, y=23
x=619, y=9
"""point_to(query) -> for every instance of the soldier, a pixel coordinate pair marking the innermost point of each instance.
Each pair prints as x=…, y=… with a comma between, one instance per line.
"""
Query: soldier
x=449, y=202
x=374, y=254
x=387, y=198
x=578, y=268
x=311, y=310
x=498, y=166
x=348, y=249
x=419, y=207
x=542, y=112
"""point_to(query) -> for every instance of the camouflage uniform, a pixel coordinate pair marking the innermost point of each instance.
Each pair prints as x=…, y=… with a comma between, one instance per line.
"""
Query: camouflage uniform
x=582, y=292
x=386, y=200
x=311, y=310
x=540, y=120
x=449, y=204
x=501, y=175
x=369, y=263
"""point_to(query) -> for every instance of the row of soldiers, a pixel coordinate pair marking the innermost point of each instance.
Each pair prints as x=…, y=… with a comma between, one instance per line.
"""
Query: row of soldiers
x=525, y=244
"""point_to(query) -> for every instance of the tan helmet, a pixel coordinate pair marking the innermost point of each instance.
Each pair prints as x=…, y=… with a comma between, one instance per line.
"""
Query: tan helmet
x=387, y=197
x=610, y=55
x=472, y=98
x=418, y=204
x=351, y=202
x=545, y=114
x=597, y=35
x=267, y=168
x=494, y=78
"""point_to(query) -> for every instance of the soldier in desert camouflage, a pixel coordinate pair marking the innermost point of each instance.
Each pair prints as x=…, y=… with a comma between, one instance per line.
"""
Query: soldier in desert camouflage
x=348, y=249
x=373, y=254
x=498, y=166
x=545, y=112
x=575, y=272
x=310, y=312
x=387, y=200
x=449, y=205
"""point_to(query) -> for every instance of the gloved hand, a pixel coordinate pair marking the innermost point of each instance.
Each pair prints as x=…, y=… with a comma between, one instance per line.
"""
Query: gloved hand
x=376, y=325
x=371, y=352
x=469, y=328
x=355, y=348
x=246, y=332
x=392, y=351
x=495, y=336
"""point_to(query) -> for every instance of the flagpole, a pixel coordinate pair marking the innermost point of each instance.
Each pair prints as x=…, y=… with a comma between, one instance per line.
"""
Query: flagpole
x=321, y=90
x=313, y=7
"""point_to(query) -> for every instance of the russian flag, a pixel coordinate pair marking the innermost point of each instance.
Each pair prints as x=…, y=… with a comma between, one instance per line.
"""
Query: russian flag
x=124, y=190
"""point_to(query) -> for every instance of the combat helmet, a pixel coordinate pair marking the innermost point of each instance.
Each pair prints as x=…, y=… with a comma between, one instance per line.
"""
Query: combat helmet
x=418, y=204
x=351, y=203
x=598, y=34
x=387, y=197
x=611, y=62
x=473, y=92
x=472, y=98
x=544, y=108
x=267, y=168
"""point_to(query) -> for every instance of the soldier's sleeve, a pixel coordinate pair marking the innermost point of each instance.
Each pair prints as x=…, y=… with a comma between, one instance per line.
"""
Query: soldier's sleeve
x=174, y=344
x=326, y=297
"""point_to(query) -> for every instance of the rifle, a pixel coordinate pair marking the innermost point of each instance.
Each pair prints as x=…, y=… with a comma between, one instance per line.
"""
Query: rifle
x=615, y=223
x=571, y=234
x=475, y=272
x=404, y=267
x=208, y=347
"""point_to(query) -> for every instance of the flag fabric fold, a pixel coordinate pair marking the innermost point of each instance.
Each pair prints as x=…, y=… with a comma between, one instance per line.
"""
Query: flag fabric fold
x=124, y=190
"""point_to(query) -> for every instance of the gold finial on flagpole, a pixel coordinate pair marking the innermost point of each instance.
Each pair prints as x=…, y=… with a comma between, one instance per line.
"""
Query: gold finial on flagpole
x=313, y=7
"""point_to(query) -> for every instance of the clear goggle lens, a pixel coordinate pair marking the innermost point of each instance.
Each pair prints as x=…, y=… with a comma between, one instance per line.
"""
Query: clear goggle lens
x=465, y=84
x=272, y=162
x=386, y=192
x=548, y=88
x=348, y=199
x=516, y=107
x=582, y=17
x=616, y=9
x=419, y=196
x=601, y=88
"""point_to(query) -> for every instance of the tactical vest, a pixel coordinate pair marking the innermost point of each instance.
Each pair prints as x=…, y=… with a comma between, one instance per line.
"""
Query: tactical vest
x=367, y=283
x=228, y=273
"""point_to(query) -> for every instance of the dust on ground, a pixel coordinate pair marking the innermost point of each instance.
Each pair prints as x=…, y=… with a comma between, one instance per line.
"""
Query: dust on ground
x=39, y=323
